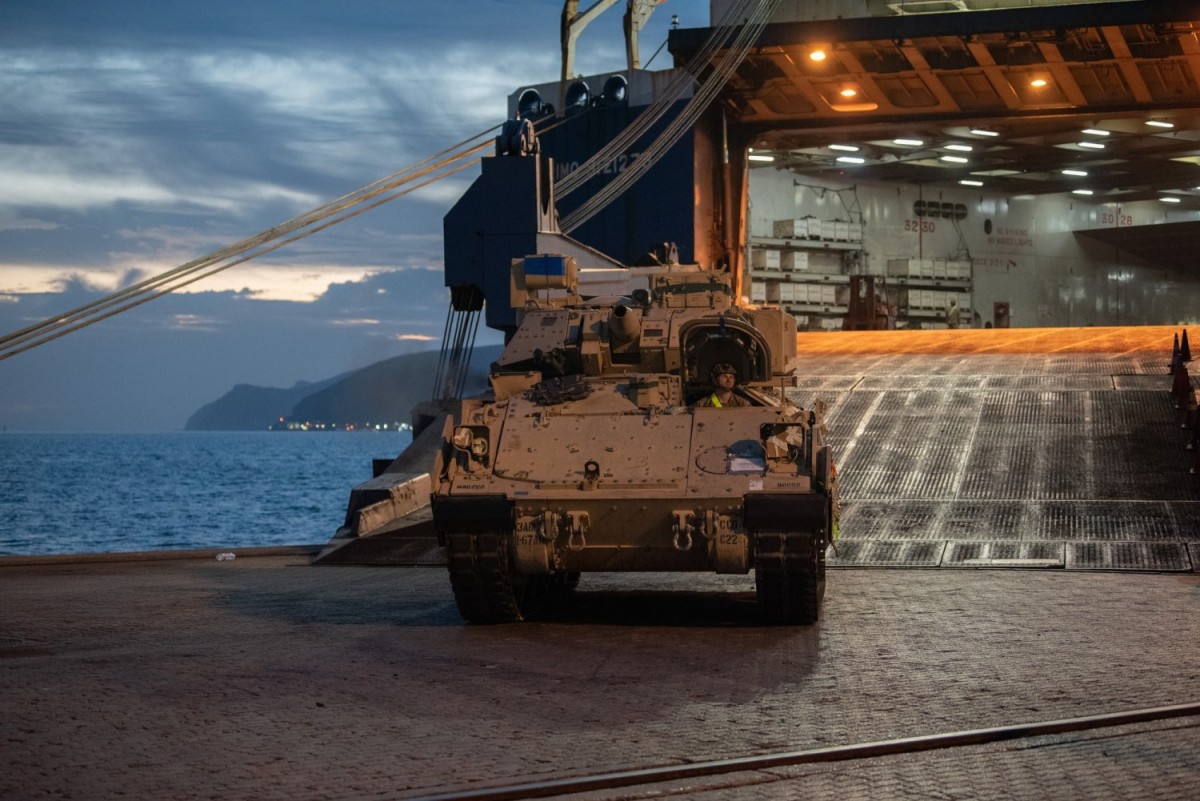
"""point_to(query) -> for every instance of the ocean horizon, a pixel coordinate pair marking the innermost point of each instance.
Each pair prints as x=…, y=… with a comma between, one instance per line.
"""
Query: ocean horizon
x=66, y=493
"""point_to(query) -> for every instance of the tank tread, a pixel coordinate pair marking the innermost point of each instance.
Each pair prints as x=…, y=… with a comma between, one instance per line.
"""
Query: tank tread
x=789, y=575
x=480, y=577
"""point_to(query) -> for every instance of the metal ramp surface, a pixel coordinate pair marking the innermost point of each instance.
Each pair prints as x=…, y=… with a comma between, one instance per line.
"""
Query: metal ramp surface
x=1068, y=461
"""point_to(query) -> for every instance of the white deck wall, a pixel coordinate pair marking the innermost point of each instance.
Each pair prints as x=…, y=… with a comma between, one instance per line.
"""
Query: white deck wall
x=1023, y=249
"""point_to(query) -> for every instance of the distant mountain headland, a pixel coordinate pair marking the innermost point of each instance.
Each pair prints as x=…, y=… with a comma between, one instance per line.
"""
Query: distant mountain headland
x=377, y=396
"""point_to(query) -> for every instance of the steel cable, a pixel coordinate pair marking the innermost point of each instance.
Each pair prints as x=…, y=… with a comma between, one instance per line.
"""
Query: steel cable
x=252, y=247
x=675, y=89
x=748, y=34
x=741, y=45
x=62, y=328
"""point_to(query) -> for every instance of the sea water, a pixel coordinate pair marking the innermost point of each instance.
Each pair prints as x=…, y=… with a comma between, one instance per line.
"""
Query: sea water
x=100, y=493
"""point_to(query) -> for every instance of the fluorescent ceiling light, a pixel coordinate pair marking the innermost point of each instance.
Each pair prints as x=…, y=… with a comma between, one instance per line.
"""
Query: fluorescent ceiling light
x=1038, y=83
x=1170, y=200
x=760, y=157
x=955, y=159
x=1095, y=132
x=1081, y=191
x=851, y=160
x=961, y=148
x=847, y=148
x=1091, y=145
x=968, y=182
x=1160, y=123
x=909, y=142
x=984, y=132
x=1080, y=173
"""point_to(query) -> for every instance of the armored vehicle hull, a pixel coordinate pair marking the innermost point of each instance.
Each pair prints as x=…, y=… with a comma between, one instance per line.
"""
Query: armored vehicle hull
x=595, y=452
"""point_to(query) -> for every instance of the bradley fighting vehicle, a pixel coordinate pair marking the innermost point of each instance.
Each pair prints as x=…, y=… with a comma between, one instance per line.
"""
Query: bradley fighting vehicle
x=589, y=452
x=590, y=455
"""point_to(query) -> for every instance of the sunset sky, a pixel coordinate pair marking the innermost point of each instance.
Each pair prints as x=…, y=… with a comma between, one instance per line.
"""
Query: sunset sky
x=137, y=135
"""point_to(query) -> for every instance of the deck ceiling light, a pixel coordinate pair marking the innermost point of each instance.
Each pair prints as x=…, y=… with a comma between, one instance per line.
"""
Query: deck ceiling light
x=955, y=159
x=761, y=157
x=851, y=160
x=1091, y=145
x=1039, y=83
x=819, y=53
x=845, y=148
x=1170, y=200
x=908, y=142
x=960, y=148
x=984, y=132
x=1095, y=132
x=1160, y=123
x=1079, y=173
x=969, y=182
x=1081, y=191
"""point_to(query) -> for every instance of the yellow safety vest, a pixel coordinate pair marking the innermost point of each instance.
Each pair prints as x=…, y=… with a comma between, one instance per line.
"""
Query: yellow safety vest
x=715, y=402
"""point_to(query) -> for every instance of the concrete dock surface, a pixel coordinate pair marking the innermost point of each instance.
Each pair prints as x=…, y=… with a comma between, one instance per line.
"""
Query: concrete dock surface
x=265, y=677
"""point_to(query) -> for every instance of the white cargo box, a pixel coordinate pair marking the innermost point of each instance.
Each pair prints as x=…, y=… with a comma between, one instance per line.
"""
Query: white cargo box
x=787, y=292
x=828, y=230
x=841, y=231
x=765, y=259
x=855, y=231
x=758, y=292
x=828, y=295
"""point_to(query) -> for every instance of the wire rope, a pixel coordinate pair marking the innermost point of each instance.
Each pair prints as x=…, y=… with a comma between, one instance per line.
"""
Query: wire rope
x=737, y=51
x=678, y=84
x=257, y=245
x=203, y=268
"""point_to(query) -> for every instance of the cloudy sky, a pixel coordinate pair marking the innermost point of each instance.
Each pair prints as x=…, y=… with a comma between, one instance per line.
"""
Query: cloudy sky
x=136, y=135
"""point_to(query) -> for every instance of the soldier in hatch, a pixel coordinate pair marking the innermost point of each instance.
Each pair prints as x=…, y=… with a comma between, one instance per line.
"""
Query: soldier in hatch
x=724, y=379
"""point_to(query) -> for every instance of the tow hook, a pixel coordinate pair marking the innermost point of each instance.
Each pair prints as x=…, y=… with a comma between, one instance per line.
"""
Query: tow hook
x=577, y=527
x=683, y=529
